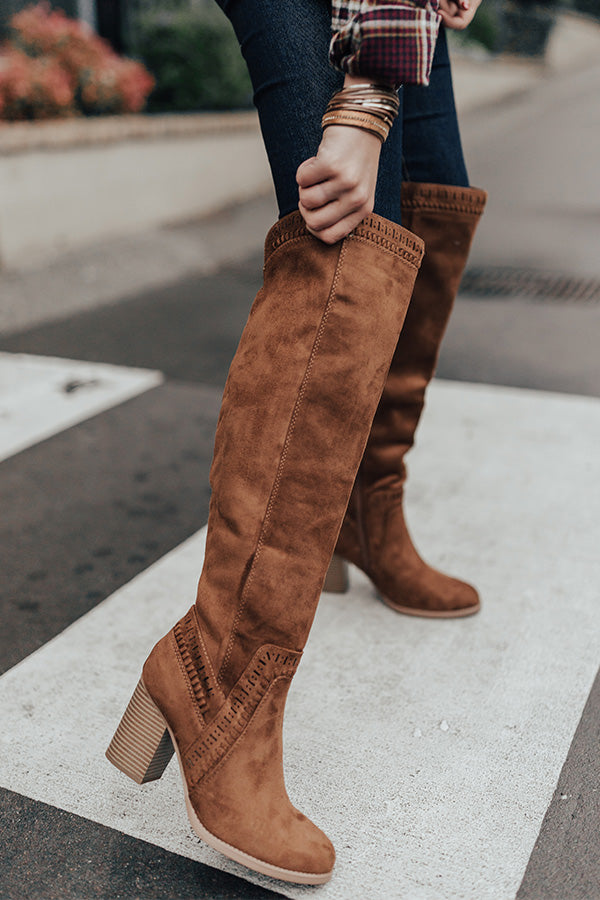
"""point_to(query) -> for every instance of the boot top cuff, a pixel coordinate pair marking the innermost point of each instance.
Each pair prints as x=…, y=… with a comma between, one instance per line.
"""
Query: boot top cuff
x=373, y=228
x=416, y=195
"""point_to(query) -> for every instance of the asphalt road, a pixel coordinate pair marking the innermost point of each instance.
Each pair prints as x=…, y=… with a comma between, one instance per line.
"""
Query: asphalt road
x=537, y=156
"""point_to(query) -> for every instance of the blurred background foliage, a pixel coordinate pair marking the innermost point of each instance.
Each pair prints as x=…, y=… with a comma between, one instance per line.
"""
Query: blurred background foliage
x=520, y=27
x=195, y=58
x=190, y=48
x=55, y=66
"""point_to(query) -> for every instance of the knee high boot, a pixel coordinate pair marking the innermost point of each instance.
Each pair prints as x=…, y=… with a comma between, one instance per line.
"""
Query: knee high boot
x=298, y=404
x=374, y=535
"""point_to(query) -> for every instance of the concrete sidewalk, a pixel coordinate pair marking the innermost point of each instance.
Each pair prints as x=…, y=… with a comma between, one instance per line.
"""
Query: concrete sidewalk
x=481, y=82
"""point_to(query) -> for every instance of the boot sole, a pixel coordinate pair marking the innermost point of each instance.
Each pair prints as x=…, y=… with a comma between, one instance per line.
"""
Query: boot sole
x=142, y=748
x=430, y=614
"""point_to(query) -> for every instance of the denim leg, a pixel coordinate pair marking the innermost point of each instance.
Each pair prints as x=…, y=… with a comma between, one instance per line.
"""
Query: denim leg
x=285, y=44
x=432, y=148
x=389, y=178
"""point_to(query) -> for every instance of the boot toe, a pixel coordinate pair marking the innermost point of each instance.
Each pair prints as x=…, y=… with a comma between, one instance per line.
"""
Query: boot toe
x=464, y=599
x=309, y=850
x=435, y=596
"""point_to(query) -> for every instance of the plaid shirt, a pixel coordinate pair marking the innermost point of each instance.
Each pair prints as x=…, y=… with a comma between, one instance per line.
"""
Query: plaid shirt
x=388, y=40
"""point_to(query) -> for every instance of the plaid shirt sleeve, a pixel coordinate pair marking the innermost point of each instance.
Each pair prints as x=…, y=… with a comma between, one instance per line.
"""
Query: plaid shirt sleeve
x=388, y=40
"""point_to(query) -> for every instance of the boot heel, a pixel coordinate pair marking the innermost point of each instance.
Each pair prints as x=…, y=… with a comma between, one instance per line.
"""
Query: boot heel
x=336, y=580
x=141, y=746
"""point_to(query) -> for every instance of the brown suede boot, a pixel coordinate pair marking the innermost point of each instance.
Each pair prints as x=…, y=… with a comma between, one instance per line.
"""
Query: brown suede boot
x=300, y=397
x=374, y=535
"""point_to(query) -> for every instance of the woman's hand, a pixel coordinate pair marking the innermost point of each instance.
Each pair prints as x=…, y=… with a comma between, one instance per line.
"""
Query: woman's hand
x=337, y=186
x=457, y=14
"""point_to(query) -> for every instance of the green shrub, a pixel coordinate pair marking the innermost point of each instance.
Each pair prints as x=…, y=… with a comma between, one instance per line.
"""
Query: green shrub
x=196, y=61
x=527, y=27
x=520, y=27
x=484, y=29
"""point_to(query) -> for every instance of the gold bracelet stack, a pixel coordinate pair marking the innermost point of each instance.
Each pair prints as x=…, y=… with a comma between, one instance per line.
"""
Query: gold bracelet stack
x=372, y=107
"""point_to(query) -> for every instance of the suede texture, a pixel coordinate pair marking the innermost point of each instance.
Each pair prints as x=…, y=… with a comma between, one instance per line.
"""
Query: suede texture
x=167, y=683
x=374, y=535
x=297, y=408
x=250, y=779
x=299, y=401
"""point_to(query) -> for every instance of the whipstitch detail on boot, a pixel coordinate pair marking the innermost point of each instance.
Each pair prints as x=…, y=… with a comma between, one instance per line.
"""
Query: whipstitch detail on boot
x=192, y=655
x=379, y=231
x=452, y=200
x=269, y=663
x=390, y=236
x=283, y=237
x=403, y=252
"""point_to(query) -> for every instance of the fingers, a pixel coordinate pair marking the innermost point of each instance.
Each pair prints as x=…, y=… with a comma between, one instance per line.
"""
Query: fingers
x=319, y=220
x=313, y=171
x=457, y=14
x=456, y=22
x=319, y=194
x=334, y=221
x=337, y=187
x=339, y=230
x=447, y=7
x=338, y=197
x=349, y=203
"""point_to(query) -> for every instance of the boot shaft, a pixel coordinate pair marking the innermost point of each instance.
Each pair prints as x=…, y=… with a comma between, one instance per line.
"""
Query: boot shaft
x=297, y=407
x=446, y=218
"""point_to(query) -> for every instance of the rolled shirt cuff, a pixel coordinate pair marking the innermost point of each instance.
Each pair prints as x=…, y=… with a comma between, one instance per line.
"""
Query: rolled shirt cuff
x=389, y=42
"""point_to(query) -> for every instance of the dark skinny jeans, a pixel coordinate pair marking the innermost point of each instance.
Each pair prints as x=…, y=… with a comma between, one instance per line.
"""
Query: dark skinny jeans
x=285, y=45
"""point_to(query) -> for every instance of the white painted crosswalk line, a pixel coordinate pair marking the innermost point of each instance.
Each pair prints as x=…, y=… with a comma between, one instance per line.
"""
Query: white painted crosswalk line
x=428, y=751
x=41, y=396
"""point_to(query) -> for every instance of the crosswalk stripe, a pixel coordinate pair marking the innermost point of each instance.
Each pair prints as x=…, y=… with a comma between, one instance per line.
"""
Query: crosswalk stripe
x=41, y=396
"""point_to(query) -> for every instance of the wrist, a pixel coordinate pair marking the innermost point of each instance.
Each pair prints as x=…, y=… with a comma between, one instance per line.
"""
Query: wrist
x=345, y=137
x=354, y=80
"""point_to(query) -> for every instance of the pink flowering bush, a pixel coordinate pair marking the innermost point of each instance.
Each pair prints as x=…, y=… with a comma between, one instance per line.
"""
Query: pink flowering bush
x=55, y=66
x=33, y=88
